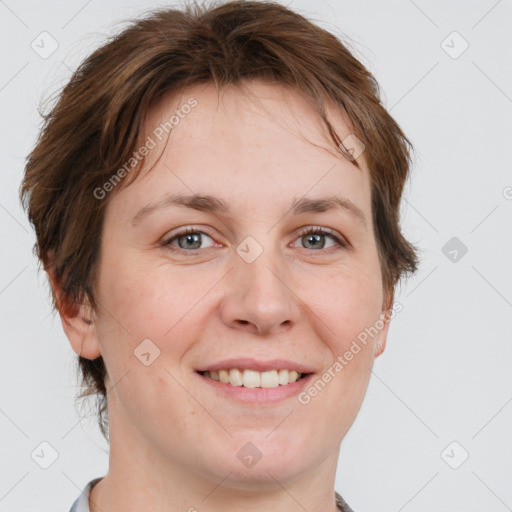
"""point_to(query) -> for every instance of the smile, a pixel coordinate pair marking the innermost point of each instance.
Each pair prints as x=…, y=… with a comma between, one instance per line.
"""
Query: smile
x=291, y=384
x=253, y=378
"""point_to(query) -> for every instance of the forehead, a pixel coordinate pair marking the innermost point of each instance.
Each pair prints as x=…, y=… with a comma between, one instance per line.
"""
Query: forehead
x=249, y=111
x=260, y=143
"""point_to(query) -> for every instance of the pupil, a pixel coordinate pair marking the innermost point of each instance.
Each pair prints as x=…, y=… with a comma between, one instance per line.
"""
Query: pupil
x=195, y=237
x=315, y=238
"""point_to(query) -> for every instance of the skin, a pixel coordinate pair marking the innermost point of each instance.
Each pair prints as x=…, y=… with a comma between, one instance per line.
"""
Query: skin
x=169, y=431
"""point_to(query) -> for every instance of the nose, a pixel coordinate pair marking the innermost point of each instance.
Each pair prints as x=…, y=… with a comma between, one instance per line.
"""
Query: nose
x=260, y=298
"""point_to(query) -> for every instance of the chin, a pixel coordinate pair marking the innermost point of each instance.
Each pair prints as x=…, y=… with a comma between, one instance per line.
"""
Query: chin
x=257, y=460
x=265, y=475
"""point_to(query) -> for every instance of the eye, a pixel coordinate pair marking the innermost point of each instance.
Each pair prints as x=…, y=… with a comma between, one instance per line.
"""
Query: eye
x=189, y=239
x=315, y=238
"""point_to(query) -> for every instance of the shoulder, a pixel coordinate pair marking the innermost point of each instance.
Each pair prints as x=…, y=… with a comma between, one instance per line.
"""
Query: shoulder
x=81, y=504
x=342, y=504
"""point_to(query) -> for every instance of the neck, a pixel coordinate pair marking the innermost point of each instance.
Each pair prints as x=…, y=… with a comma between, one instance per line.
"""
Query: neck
x=139, y=479
x=146, y=475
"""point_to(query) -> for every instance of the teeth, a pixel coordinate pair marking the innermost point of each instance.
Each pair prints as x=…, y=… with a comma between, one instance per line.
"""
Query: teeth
x=224, y=376
x=293, y=376
x=254, y=379
x=236, y=377
x=270, y=379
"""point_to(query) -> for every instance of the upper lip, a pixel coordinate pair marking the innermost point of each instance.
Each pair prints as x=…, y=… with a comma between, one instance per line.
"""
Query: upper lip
x=254, y=364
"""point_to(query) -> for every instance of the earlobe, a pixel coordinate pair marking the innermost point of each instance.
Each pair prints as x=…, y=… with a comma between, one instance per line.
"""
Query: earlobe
x=78, y=322
x=380, y=347
x=383, y=325
x=81, y=332
x=384, y=320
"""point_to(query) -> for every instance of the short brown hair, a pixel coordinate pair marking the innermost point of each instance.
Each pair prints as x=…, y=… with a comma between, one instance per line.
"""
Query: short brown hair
x=93, y=129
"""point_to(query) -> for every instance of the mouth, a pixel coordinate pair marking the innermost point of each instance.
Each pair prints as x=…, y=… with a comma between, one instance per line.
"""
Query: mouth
x=254, y=379
x=250, y=387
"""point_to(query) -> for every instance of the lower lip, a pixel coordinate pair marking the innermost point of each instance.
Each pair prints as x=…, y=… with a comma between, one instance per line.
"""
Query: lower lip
x=258, y=395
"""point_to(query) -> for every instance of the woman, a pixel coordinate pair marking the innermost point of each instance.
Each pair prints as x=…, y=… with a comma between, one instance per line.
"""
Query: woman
x=215, y=198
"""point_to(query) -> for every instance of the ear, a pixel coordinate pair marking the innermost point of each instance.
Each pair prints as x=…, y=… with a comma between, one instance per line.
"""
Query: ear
x=385, y=317
x=78, y=322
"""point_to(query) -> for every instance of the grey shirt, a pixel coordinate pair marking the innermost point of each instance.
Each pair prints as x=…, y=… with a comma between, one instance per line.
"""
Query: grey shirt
x=81, y=504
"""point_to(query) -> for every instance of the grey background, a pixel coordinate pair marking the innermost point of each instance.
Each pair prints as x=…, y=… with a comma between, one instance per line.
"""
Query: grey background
x=445, y=375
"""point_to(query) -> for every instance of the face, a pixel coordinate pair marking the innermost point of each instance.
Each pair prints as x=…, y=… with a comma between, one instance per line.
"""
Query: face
x=246, y=282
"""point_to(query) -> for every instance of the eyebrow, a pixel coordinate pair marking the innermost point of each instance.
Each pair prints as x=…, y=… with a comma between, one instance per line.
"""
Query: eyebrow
x=208, y=203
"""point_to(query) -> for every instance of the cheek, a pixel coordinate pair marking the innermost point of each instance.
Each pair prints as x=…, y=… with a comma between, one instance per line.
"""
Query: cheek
x=138, y=293
x=352, y=306
x=348, y=303
x=150, y=302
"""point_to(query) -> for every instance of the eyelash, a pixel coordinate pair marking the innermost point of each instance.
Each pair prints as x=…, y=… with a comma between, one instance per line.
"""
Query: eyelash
x=303, y=232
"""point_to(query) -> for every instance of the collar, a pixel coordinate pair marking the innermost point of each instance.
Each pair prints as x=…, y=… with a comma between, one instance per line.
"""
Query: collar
x=81, y=504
